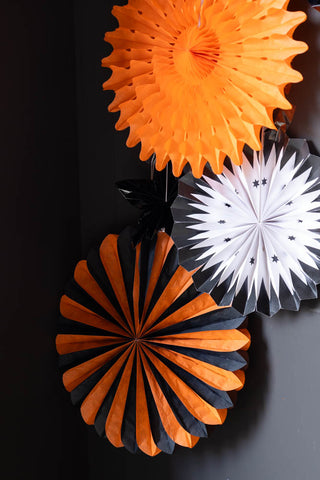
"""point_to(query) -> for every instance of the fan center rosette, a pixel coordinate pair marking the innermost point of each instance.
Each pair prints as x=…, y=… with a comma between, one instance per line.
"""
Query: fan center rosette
x=196, y=80
x=196, y=54
x=253, y=232
x=148, y=357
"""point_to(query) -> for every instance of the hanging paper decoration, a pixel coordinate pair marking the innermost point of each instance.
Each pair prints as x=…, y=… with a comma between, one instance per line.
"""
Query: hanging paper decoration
x=154, y=198
x=195, y=80
x=315, y=4
x=283, y=118
x=148, y=357
x=254, y=230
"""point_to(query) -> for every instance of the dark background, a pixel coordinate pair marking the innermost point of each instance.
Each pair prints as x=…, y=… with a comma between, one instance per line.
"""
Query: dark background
x=60, y=157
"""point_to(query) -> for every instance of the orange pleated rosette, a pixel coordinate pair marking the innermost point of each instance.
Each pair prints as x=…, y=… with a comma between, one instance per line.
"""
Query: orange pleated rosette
x=149, y=358
x=195, y=80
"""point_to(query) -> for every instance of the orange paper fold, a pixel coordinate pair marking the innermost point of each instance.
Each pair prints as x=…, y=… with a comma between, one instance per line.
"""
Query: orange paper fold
x=131, y=348
x=195, y=81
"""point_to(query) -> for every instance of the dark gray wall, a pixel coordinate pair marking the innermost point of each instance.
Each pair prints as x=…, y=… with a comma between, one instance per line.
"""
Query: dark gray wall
x=41, y=435
x=60, y=157
x=102, y=153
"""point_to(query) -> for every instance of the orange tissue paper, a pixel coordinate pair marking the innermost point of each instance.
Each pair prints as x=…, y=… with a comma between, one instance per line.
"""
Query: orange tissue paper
x=195, y=80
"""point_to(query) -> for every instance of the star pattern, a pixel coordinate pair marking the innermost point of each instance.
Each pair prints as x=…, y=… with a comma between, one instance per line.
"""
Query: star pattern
x=284, y=267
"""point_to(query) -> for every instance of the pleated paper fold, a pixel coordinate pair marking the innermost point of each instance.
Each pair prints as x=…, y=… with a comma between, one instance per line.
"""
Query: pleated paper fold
x=253, y=232
x=196, y=80
x=149, y=359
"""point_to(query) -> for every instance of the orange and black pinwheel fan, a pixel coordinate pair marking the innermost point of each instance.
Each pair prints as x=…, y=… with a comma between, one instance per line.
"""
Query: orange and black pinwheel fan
x=149, y=359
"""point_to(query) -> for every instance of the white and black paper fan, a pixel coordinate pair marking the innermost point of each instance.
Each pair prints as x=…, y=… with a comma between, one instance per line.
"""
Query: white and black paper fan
x=253, y=231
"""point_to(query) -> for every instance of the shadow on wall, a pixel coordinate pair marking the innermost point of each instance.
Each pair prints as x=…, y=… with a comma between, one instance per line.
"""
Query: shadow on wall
x=249, y=406
x=305, y=95
x=307, y=308
x=240, y=423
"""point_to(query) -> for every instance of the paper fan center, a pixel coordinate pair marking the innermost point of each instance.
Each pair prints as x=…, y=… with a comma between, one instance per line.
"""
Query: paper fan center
x=196, y=53
x=138, y=337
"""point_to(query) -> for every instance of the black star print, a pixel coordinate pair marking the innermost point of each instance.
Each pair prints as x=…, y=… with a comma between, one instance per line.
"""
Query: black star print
x=228, y=205
x=264, y=181
x=255, y=183
x=236, y=191
x=291, y=237
x=300, y=221
x=222, y=222
x=227, y=239
x=290, y=203
x=251, y=261
x=275, y=259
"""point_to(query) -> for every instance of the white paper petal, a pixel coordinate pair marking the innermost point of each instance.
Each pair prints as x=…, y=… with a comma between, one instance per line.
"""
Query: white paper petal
x=255, y=229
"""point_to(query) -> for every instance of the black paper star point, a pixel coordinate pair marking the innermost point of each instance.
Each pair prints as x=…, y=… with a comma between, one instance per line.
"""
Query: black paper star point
x=153, y=198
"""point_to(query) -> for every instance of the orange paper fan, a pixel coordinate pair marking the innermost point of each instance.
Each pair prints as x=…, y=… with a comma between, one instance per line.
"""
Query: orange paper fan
x=196, y=80
x=150, y=359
